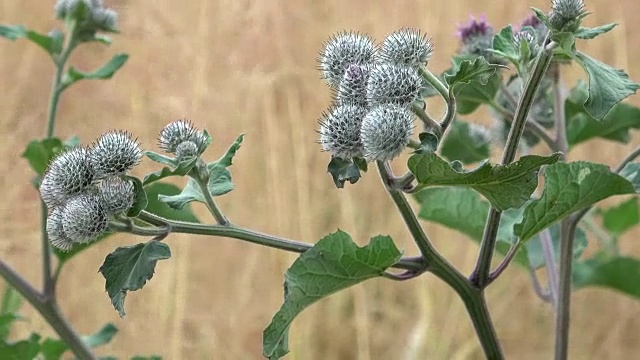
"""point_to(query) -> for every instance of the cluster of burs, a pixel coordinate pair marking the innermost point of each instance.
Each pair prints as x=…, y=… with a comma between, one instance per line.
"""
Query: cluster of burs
x=85, y=187
x=374, y=90
x=90, y=16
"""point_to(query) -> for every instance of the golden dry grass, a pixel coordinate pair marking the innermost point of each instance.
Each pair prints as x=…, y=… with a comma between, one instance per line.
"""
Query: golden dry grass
x=249, y=67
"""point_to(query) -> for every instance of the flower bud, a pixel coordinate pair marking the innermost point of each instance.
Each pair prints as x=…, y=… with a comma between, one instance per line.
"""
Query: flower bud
x=353, y=87
x=393, y=84
x=68, y=174
x=84, y=218
x=566, y=14
x=406, y=47
x=385, y=132
x=186, y=150
x=115, y=153
x=476, y=38
x=340, y=130
x=117, y=195
x=55, y=231
x=342, y=50
x=178, y=132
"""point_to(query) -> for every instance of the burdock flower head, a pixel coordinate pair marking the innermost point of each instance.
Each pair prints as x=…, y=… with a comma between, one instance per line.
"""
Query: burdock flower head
x=476, y=37
x=340, y=130
x=90, y=16
x=115, y=153
x=566, y=14
x=408, y=47
x=385, y=131
x=393, y=84
x=353, y=86
x=117, y=195
x=341, y=51
x=84, y=218
x=70, y=173
x=181, y=138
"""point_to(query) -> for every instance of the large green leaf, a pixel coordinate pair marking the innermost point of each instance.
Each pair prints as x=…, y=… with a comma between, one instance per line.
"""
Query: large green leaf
x=607, y=86
x=128, y=269
x=621, y=218
x=466, y=142
x=26, y=349
x=581, y=126
x=333, y=264
x=569, y=187
x=505, y=187
x=617, y=273
x=159, y=208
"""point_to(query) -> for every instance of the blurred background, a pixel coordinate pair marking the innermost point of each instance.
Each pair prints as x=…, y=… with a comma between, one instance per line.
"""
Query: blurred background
x=249, y=67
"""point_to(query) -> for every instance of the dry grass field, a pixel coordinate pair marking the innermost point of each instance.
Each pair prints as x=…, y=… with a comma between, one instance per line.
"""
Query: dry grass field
x=249, y=67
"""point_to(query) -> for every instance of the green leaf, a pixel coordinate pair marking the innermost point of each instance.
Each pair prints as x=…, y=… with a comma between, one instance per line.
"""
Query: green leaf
x=343, y=170
x=219, y=177
x=466, y=142
x=542, y=16
x=569, y=187
x=581, y=126
x=128, y=269
x=333, y=264
x=607, y=86
x=140, y=201
x=621, y=218
x=590, y=33
x=40, y=152
x=190, y=193
x=105, y=72
x=463, y=210
x=617, y=273
x=474, y=93
x=161, y=159
x=181, y=169
x=51, y=45
x=102, y=337
x=21, y=350
x=13, y=32
x=11, y=303
x=159, y=208
x=428, y=143
x=631, y=172
x=52, y=349
x=478, y=70
x=504, y=186
x=504, y=45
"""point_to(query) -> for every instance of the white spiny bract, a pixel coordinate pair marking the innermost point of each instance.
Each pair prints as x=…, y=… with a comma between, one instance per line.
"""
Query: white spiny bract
x=186, y=150
x=117, y=195
x=353, y=86
x=393, y=84
x=115, y=153
x=178, y=132
x=342, y=50
x=84, y=218
x=564, y=12
x=385, y=131
x=340, y=130
x=408, y=47
x=55, y=231
x=70, y=173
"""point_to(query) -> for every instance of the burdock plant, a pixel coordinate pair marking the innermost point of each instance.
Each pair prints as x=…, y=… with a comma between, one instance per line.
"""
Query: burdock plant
x=378, y=115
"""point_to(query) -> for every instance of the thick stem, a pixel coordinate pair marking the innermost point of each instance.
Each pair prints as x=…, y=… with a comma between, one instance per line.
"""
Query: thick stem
x=558, y=110
x=551, y=264
x=48, y=308
x=476, y=306
x=563, y=310
x=480, y=275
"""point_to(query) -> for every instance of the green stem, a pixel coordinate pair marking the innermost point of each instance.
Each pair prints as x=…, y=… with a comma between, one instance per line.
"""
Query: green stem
x=563, y=310
x=480, y=275
x=236, y=232
x=202, y=178
x=532, y=126
x=632, y=156
x=429, y=123
x=48, y=308
x=472, y=297
x=446, y=94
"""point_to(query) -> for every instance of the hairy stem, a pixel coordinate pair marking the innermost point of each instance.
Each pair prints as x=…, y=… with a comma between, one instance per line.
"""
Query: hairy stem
x=480, y=275
x=473, y=298
x=551, y=264
x=563, y=309
x=446, y=94
x=429, y=123
x=48, y=308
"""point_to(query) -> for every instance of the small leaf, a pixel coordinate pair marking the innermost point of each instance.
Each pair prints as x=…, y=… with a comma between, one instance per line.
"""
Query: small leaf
x=105, y=72
x=343, y=170
x=504, y=45
x=469, y=97
x=181, y=169
x=190, y=193
x=428, y=143
x=333, y=264
x=569, y=187
x=128, y=269
x=581, y=126
x=13, y=32
x=51, y=45
x=631, y=172
x=463, y=210
x=52, y=349
x=40, y=152
x=617, y=273
x=157, y=207
x=465, y=142
x=504, y=186
x=590, y=33
x=140, y=200
x=478, y=70
x=621, y=218
x=219, y=177
x=161, y=159
x=102, y=337
x=11, y=303
x=542, y=16
x=21, y=350
x=607, y=86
